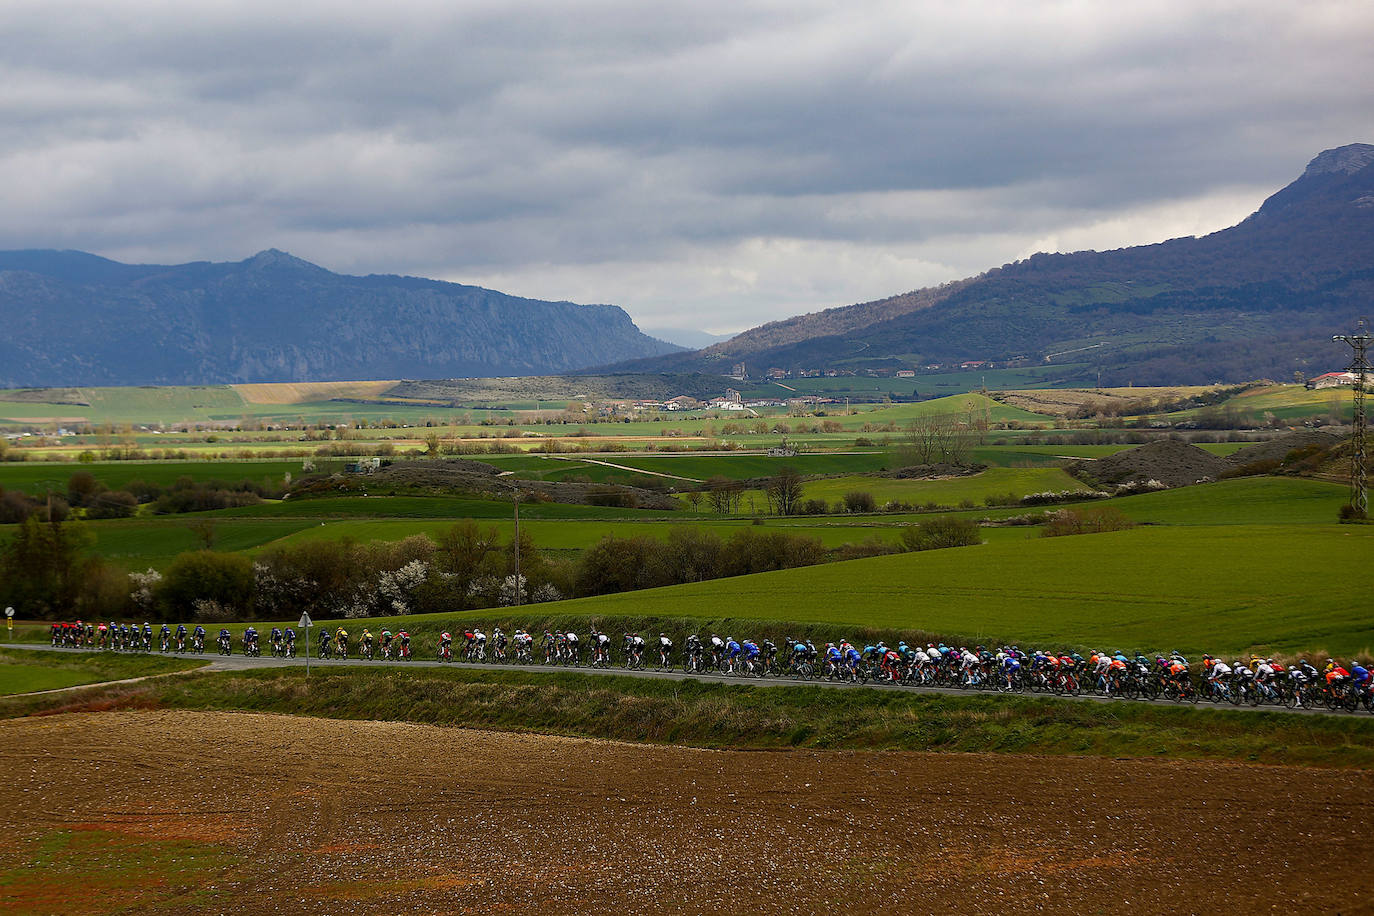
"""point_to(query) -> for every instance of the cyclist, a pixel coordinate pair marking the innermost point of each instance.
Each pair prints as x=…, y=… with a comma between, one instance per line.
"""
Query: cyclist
x=1301, y=675
x=1359, y=674
x=290, y=635
x=103, y=640
x=164, y=638
x=575, y=649
x=404, y=638
x=275, y=638
x=1218, y=675
x=550, y=646
x=479, y=642
x=498, y=645
x=1011, y=670
x=751, y=655
x=732, y=653
x=386, y=644
x=891, y=665
x=852, y=658
x=224, y=644
x=181, y=637
x=691, y=653
x=250, y=641
x=198, y=638
x=445, y=646
x=768, y=654
x=341, y=642
x=833, y=659
x=665, y=651
x=365, y=647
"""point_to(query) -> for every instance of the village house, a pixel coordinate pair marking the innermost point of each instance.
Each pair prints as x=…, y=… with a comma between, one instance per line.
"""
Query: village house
x=681, y=402
x=1332, y=380
x=906, y=373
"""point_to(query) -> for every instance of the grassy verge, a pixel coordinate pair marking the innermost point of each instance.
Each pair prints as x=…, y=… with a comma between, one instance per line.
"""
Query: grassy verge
x=21, y=671
x=737, y=716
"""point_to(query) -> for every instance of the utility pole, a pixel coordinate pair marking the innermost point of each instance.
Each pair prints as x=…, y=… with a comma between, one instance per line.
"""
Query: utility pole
x=1359, y=365
x=515, y=497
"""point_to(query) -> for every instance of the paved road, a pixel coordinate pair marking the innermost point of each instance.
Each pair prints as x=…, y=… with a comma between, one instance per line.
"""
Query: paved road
x=242, y=663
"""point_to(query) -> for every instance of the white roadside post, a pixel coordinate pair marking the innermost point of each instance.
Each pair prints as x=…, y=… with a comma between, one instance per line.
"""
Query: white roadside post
x=9, y=624
x=305, y=625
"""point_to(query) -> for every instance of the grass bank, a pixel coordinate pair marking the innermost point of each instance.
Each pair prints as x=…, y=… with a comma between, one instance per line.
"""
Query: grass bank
x=738, y=716
x=22, y=672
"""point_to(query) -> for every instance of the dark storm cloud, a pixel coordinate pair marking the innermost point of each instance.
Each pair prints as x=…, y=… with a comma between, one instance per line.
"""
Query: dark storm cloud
x=738, y=160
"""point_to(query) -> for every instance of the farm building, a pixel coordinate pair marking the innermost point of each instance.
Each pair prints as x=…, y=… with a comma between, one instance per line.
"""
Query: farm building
x=1332, y=380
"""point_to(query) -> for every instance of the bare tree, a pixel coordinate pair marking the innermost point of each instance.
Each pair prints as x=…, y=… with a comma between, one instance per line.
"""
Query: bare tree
x=784, y=491
x=725, y=494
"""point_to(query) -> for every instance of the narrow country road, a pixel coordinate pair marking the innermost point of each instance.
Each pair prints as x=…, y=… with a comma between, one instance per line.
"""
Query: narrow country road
x=243, y=663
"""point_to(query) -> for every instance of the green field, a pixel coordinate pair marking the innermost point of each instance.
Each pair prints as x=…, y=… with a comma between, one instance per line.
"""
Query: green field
x=949, y=491
x=38, y=477
x=25, y=672
x=1202, y=588
x=693, y=467
x=1195, y=589
x=1242, y=501
x=27, y=678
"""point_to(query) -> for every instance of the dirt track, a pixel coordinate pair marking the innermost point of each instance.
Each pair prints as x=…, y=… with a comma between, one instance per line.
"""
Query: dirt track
x=365, y=817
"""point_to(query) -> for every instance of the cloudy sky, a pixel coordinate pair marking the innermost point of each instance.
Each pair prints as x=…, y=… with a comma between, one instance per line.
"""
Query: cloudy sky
x=711, y=164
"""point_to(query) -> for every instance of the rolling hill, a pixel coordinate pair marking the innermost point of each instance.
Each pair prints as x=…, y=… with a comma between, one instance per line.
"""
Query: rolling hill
x=73, y=318
x=1261, y=298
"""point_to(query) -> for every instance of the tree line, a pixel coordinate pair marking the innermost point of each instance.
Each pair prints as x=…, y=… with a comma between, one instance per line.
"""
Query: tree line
x=48, y=571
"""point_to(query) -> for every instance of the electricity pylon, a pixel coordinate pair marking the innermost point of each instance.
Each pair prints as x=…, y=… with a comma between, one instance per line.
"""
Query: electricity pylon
x=1359, y=366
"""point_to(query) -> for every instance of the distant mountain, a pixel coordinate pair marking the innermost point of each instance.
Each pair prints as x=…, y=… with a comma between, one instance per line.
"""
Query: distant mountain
x=687, y=338
x=1259, y=299
x=72, y=318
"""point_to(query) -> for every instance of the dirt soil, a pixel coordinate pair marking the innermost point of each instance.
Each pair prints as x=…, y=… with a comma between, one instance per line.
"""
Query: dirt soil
x=1072, y=402
x=1277, y=449
x=1172, y=462
x=183, y=812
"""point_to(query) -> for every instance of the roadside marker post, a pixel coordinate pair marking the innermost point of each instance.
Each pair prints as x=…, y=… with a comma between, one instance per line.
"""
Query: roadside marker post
x=9, y=624
x=305, y=625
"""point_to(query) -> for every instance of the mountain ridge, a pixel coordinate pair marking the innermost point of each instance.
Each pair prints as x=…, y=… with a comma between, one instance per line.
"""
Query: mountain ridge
x=1259, y=298
x=277, y=317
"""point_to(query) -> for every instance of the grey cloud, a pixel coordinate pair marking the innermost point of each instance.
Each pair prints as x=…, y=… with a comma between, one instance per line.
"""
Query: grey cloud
x=600, y=142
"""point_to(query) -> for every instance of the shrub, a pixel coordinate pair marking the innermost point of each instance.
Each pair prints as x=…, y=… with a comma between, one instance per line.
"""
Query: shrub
x=873, y=546
x=607, y=495
x=112, y=504
x=1349, y=512
x=1085, y=521
x=940, y=532
x=859, y=501
x=1063, y=496
x=223, y=578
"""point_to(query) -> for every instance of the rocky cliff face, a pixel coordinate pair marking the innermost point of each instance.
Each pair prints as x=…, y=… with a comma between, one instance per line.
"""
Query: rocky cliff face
x=72, y=318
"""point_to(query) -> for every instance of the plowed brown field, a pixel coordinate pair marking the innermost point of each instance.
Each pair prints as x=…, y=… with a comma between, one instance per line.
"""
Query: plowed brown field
x=184, y=812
